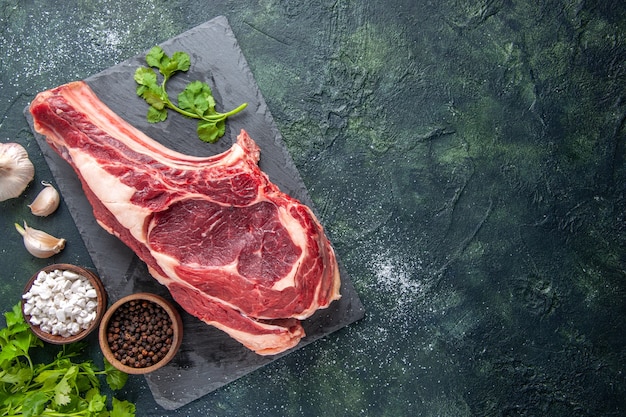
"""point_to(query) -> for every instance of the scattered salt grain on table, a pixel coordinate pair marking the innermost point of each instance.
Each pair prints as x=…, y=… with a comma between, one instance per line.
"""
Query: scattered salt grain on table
x=61, y=302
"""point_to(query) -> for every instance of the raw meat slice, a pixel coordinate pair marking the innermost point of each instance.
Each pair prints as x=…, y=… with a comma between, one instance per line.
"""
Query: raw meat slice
x=232, y=249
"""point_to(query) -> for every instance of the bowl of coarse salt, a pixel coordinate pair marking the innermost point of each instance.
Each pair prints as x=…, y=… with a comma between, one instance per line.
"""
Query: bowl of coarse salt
x=63, y=303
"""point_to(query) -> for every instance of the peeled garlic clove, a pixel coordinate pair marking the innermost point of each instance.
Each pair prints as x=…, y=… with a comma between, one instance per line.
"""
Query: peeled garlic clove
x=16, y=170
x=40, y=244
x=47, y=201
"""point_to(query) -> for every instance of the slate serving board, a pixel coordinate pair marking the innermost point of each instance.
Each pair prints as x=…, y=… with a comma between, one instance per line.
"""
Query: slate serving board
x=208, y=358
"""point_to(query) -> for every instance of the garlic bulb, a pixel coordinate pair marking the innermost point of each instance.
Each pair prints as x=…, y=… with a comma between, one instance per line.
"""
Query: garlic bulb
x=47, y=201
x=40, y=244
x=16, y=170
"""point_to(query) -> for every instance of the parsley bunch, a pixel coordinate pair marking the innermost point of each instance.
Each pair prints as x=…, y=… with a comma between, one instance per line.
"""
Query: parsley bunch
x=195, y=101
x=59, y=388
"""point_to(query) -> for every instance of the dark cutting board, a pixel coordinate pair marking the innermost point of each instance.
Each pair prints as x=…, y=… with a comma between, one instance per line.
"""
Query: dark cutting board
x=208, y=358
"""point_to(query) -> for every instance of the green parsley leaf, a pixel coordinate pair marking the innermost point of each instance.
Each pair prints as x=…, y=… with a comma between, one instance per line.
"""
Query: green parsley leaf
x=62, y=392
x=9, y=352
x=196, y=98
x=34, y=404
x=16, y=376
x=14, y=317
x=122, y=408
x=23, y=341
x=97, y=402
x=156, y=115
x=115, y=378
x=144, y=77
x=183, y=62
x=155, y=57
x=210, y=131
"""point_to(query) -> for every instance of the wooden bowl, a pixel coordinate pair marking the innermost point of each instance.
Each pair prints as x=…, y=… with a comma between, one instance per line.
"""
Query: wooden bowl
x=129, y=326
x=100, y=308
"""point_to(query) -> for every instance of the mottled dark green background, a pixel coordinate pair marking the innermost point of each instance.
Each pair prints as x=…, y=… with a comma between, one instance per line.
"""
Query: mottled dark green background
x=467, y=159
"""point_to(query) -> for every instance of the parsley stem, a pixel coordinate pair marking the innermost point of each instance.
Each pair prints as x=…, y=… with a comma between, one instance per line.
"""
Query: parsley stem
x=221, y=116
x=210, y=118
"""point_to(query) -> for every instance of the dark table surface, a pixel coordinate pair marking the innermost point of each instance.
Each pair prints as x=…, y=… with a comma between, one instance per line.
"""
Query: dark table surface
x=467, y=159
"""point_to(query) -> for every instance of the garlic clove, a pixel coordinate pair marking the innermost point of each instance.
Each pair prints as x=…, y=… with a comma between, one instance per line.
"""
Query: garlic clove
x=47, y=201
x=16, y=170
x=38, y=243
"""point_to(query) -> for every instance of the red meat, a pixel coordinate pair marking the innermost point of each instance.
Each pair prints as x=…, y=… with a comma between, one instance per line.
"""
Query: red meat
x=232, y=249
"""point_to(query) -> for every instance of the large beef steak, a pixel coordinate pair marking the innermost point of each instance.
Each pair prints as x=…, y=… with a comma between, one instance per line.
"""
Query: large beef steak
x=232, y=249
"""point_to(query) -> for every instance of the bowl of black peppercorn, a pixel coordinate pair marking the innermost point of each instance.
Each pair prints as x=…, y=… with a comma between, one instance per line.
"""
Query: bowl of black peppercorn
x=140, y=333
